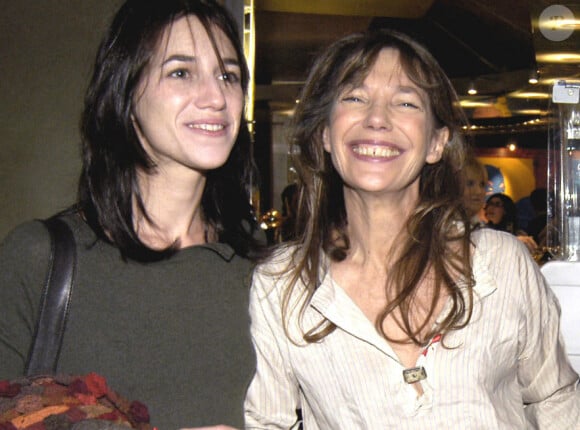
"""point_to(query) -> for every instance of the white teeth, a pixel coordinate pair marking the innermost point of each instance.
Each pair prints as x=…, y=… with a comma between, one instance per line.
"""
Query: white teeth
x=376, y=151
x=207, y=127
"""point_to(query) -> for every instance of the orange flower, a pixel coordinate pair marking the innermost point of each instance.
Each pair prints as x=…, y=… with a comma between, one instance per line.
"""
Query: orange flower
x=96, y=384
x=35, y=417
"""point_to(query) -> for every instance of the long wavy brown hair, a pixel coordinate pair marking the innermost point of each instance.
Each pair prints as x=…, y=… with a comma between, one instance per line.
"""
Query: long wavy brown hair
x=432, y=242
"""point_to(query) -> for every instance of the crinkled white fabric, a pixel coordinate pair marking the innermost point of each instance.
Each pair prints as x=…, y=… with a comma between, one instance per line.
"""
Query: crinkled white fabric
x=507, y=369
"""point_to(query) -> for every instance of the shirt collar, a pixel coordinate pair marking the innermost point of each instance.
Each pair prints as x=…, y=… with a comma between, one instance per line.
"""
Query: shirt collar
x=335, y=305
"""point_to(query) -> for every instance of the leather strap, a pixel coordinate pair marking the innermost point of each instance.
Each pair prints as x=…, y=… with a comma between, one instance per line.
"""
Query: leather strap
x=55, y=301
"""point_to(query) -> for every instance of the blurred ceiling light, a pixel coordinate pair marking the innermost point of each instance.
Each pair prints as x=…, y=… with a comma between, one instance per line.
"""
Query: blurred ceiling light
x=531, y=112
x=286, y=112
x=465, y=103
x=566, y=24
x=533, y=79
x=558, y=57
x=471, y=90
x=529, y=95
x=552, y=80
x=512, y=146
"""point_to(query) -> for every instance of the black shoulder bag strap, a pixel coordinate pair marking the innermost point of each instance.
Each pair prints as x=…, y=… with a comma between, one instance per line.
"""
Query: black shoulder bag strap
x=55, y=301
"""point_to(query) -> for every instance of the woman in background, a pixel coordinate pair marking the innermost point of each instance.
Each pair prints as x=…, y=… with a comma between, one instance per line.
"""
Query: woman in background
x=501, y=213
x=475, y=187
x=163, y=226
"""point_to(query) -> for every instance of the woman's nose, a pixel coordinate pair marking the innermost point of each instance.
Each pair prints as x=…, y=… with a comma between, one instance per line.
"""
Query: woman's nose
x=210, y=94
x=378, y=117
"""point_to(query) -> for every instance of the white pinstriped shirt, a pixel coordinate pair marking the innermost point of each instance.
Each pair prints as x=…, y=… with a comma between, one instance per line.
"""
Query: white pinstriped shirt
x=510, y=354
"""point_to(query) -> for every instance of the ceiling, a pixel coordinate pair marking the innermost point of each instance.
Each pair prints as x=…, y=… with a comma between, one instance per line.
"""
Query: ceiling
x=491, y=44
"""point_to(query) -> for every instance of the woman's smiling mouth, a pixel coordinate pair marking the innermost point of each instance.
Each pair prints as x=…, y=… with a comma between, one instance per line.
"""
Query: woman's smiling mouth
x=376, y=151
x=207, y=127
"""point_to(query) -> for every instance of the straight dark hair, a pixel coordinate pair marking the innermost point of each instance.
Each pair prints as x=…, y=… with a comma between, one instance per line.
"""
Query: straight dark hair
x=112, y=152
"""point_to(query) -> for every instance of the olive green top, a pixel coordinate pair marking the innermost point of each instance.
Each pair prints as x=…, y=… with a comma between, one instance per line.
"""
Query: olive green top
x=172, y=334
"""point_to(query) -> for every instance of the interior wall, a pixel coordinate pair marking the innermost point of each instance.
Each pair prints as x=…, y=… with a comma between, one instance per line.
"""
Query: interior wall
x=47, y=49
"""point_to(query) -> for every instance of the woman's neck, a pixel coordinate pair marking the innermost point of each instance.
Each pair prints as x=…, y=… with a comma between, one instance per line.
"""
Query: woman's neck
x=375, y=226
x=173, y=206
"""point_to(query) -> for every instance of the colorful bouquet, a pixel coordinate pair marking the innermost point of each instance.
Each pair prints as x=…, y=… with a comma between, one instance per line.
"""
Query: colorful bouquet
x=67, y=403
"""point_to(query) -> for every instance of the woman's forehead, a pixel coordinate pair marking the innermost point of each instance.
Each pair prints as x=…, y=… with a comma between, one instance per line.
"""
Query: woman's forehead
x=188, y=33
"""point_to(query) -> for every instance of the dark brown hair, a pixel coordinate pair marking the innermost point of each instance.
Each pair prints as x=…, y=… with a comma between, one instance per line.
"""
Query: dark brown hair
x=112, y=152
x=432, y=243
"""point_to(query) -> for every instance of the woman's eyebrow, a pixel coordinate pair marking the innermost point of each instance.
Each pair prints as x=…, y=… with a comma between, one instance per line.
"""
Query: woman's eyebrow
x=191, y=59
x=231, y=62
x=179, y=57
x=409, y=89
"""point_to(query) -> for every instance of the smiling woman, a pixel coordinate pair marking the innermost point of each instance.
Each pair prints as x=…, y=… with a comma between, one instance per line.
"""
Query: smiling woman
x=379, y=314
x=164, y=229
x=188, y=108
x=382, y=131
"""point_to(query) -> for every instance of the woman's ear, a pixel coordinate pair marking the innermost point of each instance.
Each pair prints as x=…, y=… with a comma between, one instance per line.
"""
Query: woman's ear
x=437, y=145
x=326, y=139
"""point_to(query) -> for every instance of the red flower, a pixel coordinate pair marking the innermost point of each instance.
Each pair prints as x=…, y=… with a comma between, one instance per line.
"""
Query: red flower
x=76, y=397
x=78, y=386
x=96, y=384
x=9, y=390
x=138, y=412
x=86, y=399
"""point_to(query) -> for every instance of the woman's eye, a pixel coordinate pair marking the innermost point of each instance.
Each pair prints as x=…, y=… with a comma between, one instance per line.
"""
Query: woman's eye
x=180, y=73
x=230, y=77
x=409, y=105
x=354, y=99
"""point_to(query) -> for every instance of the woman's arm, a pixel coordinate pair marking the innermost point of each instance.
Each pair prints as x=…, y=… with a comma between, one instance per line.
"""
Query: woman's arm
x=272, y=398
x=24, y=256
x=549, y=384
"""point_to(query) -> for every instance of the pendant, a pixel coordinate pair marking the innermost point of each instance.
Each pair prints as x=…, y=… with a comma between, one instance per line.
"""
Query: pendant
x=414, y=374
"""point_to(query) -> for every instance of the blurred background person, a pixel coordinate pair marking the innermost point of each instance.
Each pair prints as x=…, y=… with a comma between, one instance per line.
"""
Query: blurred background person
x=536, y=226
x=501, y=214
x=474, y=190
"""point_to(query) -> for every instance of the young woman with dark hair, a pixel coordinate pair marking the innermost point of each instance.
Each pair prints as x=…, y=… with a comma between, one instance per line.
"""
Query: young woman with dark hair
x=164, y=228
x=389, y=311
x=115, y=158
x=501, y=213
